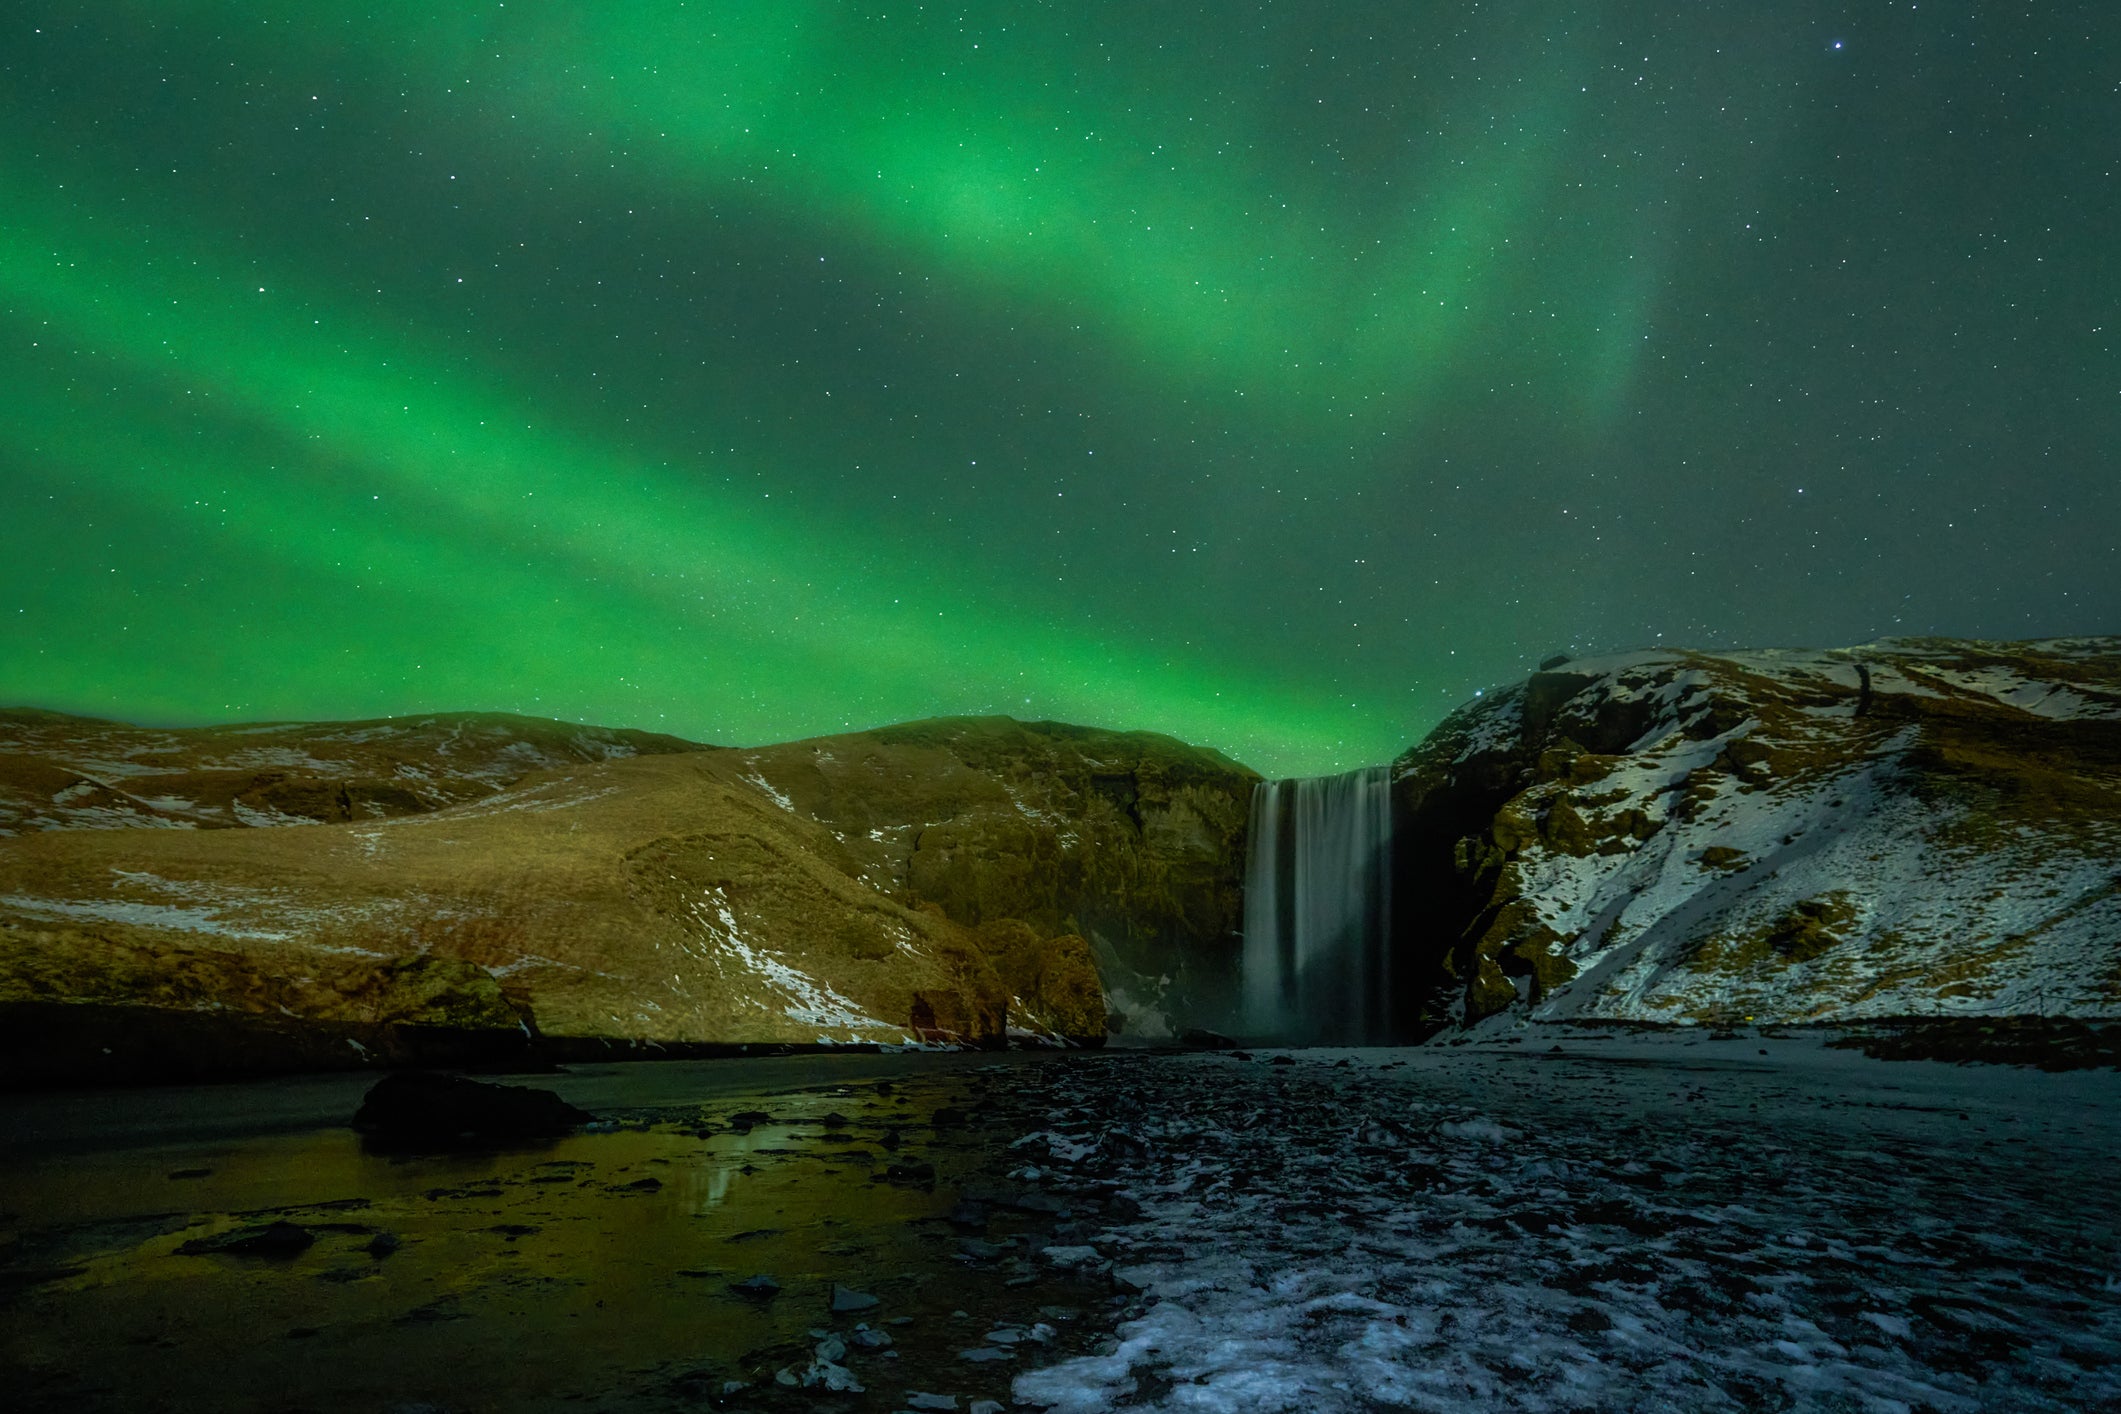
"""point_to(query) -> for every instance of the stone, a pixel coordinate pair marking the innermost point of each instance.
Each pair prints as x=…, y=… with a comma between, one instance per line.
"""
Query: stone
x=278, y=1240
x=846, y=1301
x=423, y=1108
x=910, y=1173
x=825, y=1375
x=1071, y=1256
x=1036, y=1202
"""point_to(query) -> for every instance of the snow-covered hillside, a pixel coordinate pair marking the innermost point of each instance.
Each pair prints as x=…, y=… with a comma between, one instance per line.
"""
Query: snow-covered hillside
x=1912, y=827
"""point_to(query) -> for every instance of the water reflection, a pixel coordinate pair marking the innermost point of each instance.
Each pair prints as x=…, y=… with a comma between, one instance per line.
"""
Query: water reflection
x=498, y=1279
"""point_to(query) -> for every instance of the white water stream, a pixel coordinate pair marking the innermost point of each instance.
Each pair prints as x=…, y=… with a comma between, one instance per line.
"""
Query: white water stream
x=1318, y=908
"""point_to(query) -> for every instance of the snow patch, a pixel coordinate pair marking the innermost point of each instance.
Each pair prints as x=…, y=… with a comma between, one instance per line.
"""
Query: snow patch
x=767, y=789
x=804, y=999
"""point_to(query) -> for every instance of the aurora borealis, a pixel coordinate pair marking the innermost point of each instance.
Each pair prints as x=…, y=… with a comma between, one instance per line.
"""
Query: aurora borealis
x=1272, y=375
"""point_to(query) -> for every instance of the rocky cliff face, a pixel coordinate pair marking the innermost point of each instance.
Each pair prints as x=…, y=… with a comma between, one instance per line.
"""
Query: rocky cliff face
x=940, y=881
x=1129, y=841
x=1912, y=827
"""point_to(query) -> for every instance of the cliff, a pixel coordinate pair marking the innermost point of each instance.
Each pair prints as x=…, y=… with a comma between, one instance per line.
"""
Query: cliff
x=1132, y=841
x=1914, y=827
x=478, y=887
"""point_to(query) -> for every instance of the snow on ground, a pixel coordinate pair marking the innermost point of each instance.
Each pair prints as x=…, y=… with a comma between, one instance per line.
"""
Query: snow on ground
x=172, y=917
x=100, y=817
x=265, y=817
x=540, y=798
x=210, y=909
x=757, y=781
x=1610, y=1224
x=1759, y=851
x=803, y=998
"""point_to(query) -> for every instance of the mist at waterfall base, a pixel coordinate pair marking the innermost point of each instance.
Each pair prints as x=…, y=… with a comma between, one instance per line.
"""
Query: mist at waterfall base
x=1318, y=911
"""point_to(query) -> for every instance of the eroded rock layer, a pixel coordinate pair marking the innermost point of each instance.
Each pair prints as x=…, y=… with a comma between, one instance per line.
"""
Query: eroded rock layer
x=1131, y=842
x=1914, y=827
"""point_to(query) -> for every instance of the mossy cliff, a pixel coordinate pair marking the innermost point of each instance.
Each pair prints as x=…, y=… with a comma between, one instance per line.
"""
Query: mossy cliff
x=1129, y=841
x=1911, y=827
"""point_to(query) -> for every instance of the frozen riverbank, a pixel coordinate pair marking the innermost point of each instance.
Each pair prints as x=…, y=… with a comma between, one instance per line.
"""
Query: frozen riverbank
x=1552, y=1220
x=1576, y=1220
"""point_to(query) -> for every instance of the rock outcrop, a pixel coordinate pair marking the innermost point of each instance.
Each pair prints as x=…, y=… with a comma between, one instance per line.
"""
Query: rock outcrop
x=1914, y=827
x=537, y=888
x=1130, y=842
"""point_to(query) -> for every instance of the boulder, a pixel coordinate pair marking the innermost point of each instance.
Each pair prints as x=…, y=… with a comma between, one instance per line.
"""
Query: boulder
x=280, y=1241
x=425, y=1109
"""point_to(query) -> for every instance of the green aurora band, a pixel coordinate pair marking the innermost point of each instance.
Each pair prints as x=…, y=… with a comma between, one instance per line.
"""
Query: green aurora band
x=507, y=536
x=638, y=363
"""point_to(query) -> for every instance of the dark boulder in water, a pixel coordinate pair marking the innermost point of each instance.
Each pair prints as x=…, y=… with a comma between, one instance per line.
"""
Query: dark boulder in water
x=423, y=1108
x=278, y=1239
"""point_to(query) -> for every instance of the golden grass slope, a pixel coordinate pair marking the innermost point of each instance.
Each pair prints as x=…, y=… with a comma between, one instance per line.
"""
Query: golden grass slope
x=959, y=879
x=657, y=897
x=60, y=772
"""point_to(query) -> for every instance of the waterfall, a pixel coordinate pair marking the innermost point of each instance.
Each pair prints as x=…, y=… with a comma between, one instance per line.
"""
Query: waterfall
x=1318, y=900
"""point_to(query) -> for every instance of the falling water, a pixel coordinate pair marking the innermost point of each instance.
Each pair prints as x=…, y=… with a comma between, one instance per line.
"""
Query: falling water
x=1318, y=886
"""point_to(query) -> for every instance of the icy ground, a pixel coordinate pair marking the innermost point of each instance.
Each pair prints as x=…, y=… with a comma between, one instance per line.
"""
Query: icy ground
x=1590, y=1221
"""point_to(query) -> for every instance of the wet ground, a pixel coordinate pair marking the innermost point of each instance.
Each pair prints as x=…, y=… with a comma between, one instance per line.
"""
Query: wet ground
x=1571, y=1220
x=613, y=1269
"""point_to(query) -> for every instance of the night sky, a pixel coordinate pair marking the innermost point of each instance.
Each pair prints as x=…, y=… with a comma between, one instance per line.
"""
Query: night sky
x=1273, y=375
